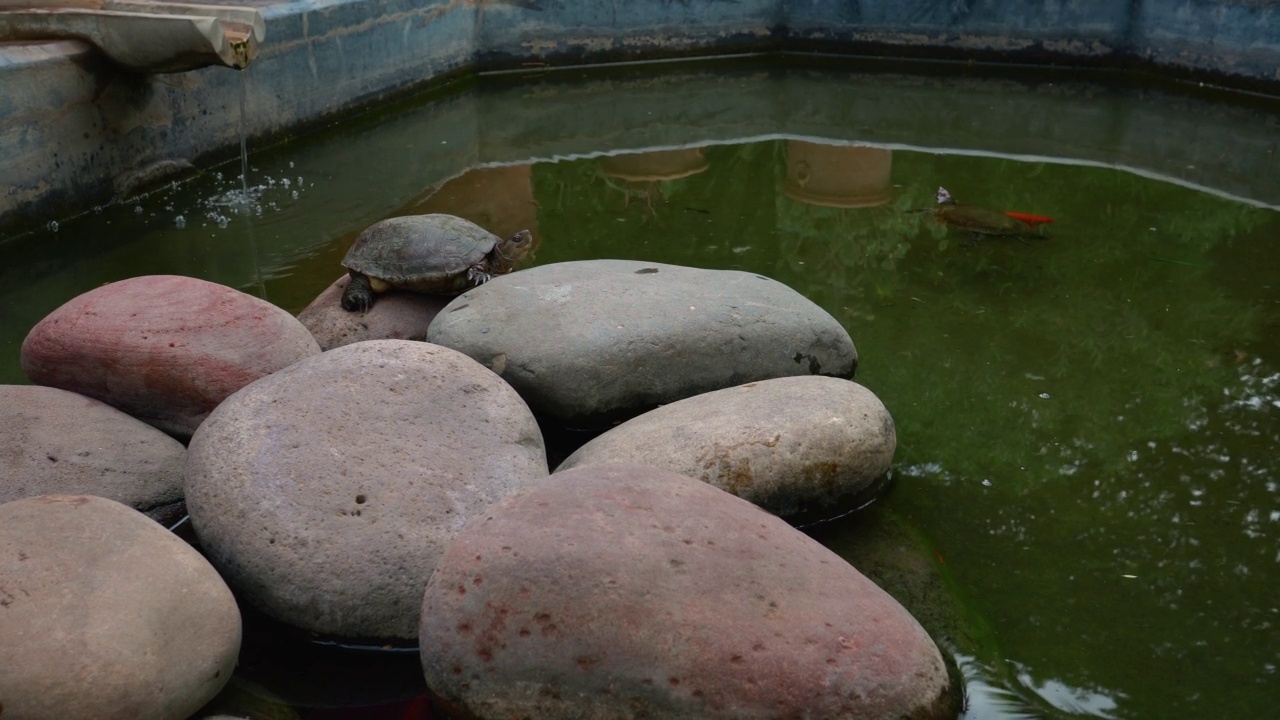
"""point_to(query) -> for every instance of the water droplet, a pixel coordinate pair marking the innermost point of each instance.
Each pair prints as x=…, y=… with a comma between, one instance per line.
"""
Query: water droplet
x=986, y=482
x=1044, y=396
x=180, y=221
x=53, y=226
x=137, y=209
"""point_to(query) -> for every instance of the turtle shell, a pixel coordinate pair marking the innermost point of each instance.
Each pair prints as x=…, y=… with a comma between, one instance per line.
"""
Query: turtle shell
x=423, y=253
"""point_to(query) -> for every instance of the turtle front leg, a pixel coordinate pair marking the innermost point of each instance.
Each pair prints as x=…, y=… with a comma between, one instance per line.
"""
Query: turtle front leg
x=358, y=297
x=476, y=276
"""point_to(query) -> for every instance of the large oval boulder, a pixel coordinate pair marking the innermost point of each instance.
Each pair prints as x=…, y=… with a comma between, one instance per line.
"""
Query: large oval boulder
x=165, y=349
x=790, y=445
x=57, y=442
x=326, y=491
x=625, y=591
x=591, y=342
x=105, y=614
x=398, y=315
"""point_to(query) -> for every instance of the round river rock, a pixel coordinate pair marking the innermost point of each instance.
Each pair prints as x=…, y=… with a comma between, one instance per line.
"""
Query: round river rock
x=57, y=442
x=625, y=591
x=789, y=445
x=165, y=349
x=594, y=341
x=105, y=614
x=325, y=492
x=397, y=315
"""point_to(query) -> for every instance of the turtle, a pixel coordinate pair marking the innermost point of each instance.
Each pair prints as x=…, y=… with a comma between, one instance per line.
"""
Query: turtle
x=433, y=254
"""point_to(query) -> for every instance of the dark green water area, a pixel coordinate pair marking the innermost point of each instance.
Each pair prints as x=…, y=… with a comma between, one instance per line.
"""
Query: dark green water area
x=1085, y=506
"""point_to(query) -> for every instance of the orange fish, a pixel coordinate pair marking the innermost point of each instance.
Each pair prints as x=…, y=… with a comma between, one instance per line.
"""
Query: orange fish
x=1032, y=220
x=983, y=221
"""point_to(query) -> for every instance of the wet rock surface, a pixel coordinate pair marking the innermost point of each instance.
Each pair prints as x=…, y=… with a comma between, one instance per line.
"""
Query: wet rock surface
x=590, y=342
x=397, y=315
x=622, y=591
x=165, y=349
x=325, y=492
x=105, y=614
x=789, y=445
x=57, y=442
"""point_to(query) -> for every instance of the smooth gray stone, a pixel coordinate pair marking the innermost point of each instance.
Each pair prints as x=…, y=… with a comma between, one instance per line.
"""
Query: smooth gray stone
x=591, y=342
x=57, y=442
x=326, y=491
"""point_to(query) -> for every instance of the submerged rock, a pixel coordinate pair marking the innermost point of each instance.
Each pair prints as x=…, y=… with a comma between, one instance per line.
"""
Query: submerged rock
x=105, y=614
x=398, y=315
x=789, y=445
x=57, y=442
x=900, y=558
x=624, y=591
x=325, y=492
x=165, y=349
x=591, y=342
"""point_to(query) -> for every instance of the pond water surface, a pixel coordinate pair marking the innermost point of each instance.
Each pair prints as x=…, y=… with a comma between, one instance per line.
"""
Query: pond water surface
x=1087, y=423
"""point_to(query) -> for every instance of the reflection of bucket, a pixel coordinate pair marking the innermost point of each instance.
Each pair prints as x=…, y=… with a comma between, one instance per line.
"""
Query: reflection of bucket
x=498, y=199
x=655, y=165
x=841, y=176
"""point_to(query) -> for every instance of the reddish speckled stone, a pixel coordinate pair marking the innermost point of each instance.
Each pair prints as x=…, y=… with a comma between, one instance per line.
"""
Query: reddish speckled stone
x=163, y=348
x=625, y=591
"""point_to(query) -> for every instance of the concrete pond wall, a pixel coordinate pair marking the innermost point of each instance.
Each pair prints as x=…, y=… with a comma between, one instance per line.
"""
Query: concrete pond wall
x=75, y=130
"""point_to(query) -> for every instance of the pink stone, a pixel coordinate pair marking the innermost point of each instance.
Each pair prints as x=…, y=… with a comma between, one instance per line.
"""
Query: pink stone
x=163, y=348
x=397, y=315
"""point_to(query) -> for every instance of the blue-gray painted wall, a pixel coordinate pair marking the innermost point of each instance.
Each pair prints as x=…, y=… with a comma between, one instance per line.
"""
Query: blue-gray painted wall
x=70, y=123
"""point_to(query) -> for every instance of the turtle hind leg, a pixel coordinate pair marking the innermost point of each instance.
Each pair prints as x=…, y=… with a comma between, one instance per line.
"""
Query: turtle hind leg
x=358, y=297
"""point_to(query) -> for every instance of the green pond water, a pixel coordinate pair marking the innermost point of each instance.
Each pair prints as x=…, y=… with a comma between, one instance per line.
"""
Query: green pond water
x=1086, y=498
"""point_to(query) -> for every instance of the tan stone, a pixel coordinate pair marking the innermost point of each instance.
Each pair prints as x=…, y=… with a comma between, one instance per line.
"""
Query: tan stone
x=105, y=614
x=789, y=445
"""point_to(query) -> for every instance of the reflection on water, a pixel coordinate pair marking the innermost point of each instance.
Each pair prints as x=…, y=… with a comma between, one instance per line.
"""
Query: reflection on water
x=1021, y=697
x=1087, y=425
x=841, y=176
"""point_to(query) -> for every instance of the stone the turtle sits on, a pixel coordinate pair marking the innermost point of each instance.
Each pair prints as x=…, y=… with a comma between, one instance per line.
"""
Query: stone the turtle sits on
x=436, y=254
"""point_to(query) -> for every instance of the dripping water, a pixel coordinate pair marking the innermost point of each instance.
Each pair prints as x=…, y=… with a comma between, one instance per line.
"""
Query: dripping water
x=246, y=200
x=244, y=147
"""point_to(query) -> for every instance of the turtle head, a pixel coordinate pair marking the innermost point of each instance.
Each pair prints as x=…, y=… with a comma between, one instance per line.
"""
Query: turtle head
x=944, y=197
x=510, y=252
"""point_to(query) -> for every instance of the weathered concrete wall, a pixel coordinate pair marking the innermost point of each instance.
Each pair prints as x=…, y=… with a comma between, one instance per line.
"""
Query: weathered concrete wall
x=1235, y=38
x=71, y=124
x=1085, y=29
